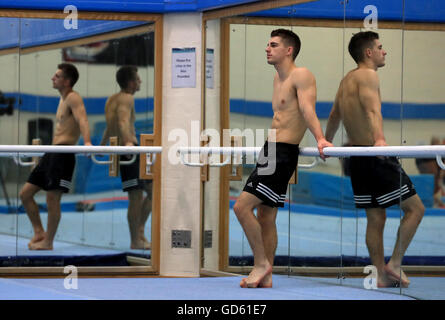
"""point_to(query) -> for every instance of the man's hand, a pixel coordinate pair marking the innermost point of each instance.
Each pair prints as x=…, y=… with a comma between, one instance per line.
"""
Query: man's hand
x=380, y=143
x=321, y=144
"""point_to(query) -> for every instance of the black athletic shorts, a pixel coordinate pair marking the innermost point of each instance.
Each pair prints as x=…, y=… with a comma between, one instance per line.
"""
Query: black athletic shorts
x=130, y=174
x=54, y=172
x=379, y=183
x=272, y=173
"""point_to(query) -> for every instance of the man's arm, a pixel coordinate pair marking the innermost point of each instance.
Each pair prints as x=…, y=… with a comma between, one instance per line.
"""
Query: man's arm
x=334, y=120
x=307, y=95
x=105, y=137
x=369, y=95
x=124, y=107
x=80, y=114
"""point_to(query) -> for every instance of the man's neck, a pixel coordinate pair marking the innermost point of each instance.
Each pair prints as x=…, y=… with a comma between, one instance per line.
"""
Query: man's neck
x=65, y=92
x=367, y=65
x=284, y=69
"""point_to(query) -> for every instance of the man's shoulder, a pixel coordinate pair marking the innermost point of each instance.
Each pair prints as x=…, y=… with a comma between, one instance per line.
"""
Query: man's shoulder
x=302, y=76
x=364, y=74
x=301, y=71
x=124, y=98
x=73, y=96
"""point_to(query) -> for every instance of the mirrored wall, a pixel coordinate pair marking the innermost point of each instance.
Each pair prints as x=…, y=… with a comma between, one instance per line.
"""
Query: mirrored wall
x=321, y=233
x=104, y=220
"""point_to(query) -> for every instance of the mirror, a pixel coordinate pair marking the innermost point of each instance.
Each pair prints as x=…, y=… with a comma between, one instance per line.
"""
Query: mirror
x=95, y=228
x=320, y=225
x=422, y=120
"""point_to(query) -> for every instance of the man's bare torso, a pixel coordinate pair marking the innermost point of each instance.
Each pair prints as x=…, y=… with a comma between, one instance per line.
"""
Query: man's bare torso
x=287, y=120
x=67, y=129
x=353, y=113
x=122, y=103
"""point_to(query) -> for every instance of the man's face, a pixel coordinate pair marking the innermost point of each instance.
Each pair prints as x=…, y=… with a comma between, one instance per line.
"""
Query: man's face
x=378, y=54
x=276, y=50
x=59, y=80
x=136, y=83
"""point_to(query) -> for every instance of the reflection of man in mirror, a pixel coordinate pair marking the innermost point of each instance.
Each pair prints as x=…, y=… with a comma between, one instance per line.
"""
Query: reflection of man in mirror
x=120, y=117
x=54, y=171
x=293, y=104
x=377, y=182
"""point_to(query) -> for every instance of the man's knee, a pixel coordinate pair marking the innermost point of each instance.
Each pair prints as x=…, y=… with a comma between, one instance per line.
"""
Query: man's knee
x=414, y=208
x=53, y=198
x=267, y=215
x=26, y=194
x=241, y=208
x=135, y=195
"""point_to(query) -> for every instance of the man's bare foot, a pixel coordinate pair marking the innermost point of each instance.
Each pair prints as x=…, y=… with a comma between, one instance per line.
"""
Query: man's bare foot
x=396, y=274
x=39, y=236
x=266, y=282
x=144, y=245
x=41, y=245
x=257, y=276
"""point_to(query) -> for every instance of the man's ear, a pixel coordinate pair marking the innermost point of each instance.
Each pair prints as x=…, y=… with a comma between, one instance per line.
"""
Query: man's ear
x=290, y=50
x=368, y=52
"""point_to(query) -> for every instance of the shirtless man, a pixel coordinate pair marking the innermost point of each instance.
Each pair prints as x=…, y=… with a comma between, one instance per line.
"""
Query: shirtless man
x=293, y=103
x=120, y=117
x=54, y=171
x=377, y=182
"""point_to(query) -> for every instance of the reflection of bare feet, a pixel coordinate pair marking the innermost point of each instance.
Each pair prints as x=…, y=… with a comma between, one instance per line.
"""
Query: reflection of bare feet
x=397, y=275
x=144, y=245
x=147, y=243
x=258, y=278
x=39, y=236
x=41, y=245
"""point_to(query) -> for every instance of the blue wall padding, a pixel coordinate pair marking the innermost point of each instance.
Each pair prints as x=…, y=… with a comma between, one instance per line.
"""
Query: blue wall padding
x=36, y=32
x=147, y=6
x=93, y=105
x=414, y=10
x=390, y=110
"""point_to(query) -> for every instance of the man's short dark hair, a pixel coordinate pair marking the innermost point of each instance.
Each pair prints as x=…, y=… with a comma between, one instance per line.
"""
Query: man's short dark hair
x=290, y=39
x=125, y=74
x=69, y=72
x=359, y=42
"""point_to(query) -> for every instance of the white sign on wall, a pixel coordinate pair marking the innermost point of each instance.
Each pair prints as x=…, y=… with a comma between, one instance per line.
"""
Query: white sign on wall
x=209, y=68
x=183, y=68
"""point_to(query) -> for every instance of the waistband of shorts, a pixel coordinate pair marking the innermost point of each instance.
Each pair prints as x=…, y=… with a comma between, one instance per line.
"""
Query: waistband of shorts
x=290, y=145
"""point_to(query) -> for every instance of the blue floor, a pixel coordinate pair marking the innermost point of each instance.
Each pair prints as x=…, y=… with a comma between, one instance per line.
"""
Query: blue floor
x=219, y=288
x=105, y=233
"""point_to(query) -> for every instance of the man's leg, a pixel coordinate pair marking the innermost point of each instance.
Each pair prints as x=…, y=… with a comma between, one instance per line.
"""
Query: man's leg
x=145, y=213
x=376, y=218
x=133, y=216
x=243, y=208
x=53, y=198
x=413, y=210
x=32, y=210
x=267, y=219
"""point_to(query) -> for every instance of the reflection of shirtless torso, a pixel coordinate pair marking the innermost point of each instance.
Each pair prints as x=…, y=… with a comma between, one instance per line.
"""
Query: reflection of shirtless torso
x=67, y=129
x=287, y=119
x=120, y=117
x=350, y=101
